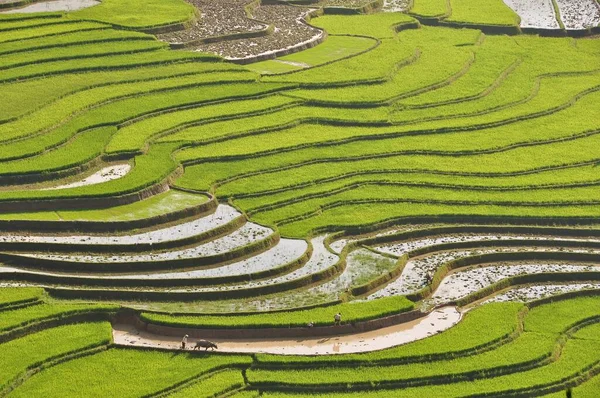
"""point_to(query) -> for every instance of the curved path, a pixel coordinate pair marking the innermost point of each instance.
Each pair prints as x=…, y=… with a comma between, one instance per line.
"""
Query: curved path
x=436, y=322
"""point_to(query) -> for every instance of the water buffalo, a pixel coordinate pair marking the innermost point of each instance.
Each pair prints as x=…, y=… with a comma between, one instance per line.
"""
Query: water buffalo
x=205, y=344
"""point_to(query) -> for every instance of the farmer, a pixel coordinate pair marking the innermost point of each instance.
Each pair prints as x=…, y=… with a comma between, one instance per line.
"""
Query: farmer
x=184, y=341
x=337, y=319
x=429, y=277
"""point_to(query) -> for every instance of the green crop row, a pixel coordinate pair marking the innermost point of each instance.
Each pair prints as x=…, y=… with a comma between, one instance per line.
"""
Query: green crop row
x=378, y=26
x=13, y=319
x=374, y=156
x=589, y=389
x=487, y=71
x=155, y=206
x=138, y=15
x=390, y=55
x=333, y=49
x=134, y=136
x=212, y=386
x=353, y=312
x=12, y=22
x=558, y=316
x=133, y=373
x=306, y=184
x=21, y=101
x=19, y=355
x=274, y=199
x=577, y=357
x=49, y=30
x=431, y=8
x=482, y=12
x=68, y=40
x=269, y=131
x=10, y=296
x=528, y=348
x=356, y=215
x=82, y=149
x=418, y=76
x=532, y=350
x=106, y=62
x=389, y=193
x=124, y=110
x=94, y=99
x=474, y=138
x=149, y=169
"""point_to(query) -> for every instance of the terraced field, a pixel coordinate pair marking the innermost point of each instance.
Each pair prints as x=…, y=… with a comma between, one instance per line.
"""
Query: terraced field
x=242, y=171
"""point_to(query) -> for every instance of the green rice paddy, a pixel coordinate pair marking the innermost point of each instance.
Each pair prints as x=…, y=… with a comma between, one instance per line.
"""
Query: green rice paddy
x=448, y=113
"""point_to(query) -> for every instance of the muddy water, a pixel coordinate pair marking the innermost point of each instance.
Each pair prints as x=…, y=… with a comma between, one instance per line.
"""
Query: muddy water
x=579, y=14
x=220, y=217
x=107, y=174
x=460, y=284
x=536, y=292
x=436, y=322
x=243, y=236
x=535, y=13
x=51, y=6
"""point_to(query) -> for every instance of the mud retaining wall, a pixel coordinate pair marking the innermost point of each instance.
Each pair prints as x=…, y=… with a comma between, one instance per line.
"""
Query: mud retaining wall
x=358, y=327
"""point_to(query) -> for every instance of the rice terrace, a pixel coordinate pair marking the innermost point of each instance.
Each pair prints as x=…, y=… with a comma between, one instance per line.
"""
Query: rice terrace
x=298, y=198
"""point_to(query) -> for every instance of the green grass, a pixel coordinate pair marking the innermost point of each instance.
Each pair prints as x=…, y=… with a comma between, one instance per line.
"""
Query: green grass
x=132, y=373
x=17, y=356
x=138, y=13
x=352, y=312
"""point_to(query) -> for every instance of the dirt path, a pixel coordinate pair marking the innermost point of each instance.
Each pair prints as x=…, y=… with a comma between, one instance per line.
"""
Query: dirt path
x=436, y=322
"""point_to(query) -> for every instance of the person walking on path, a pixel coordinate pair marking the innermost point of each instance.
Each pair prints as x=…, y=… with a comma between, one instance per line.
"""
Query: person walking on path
x=184, y=341
x=337, y=319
